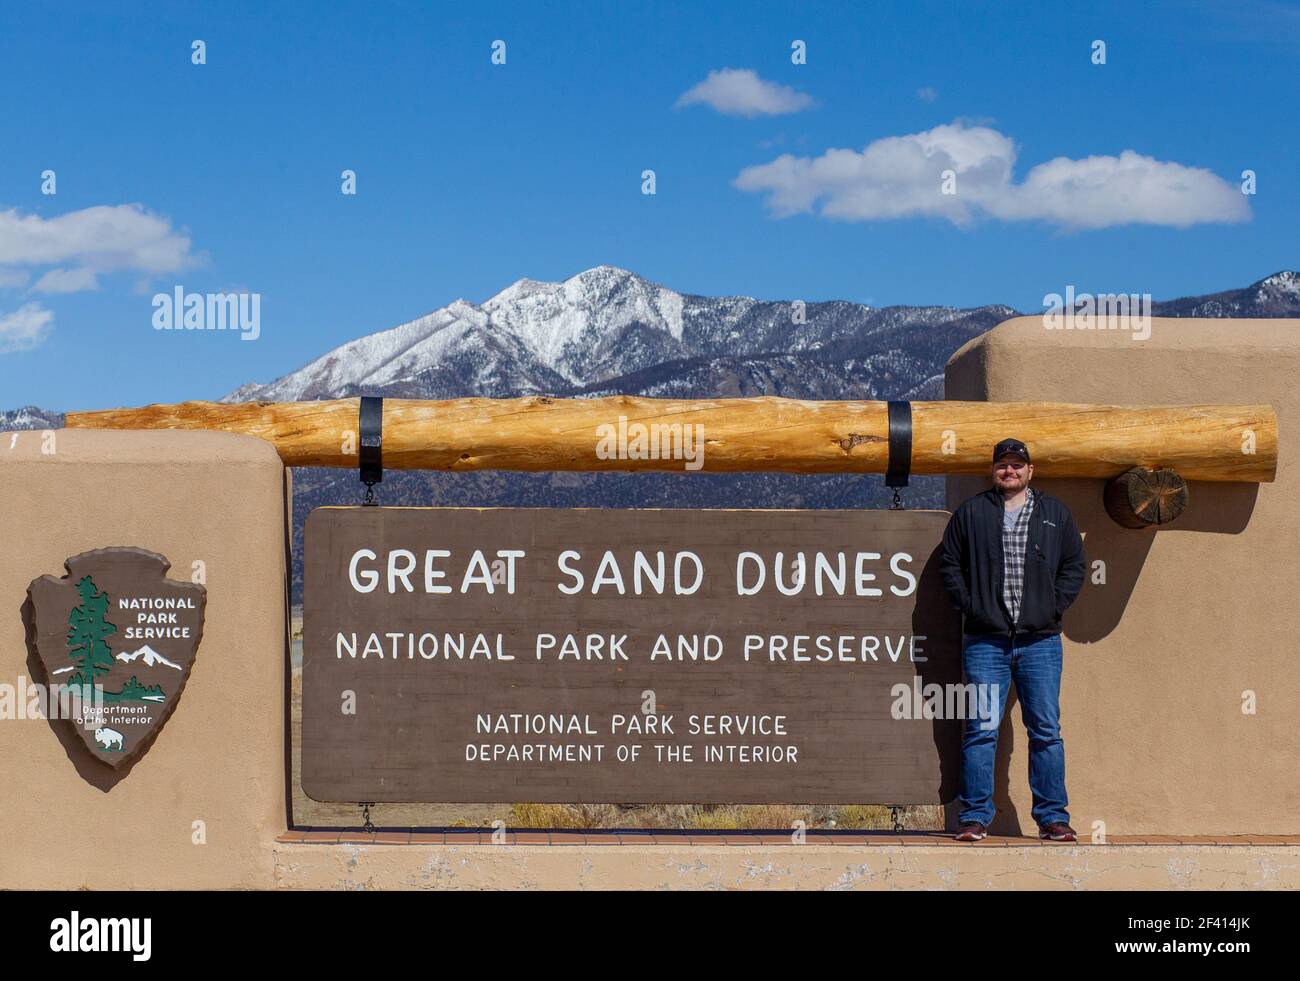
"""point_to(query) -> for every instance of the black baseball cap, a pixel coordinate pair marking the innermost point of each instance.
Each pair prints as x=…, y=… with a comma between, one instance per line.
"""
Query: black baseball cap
x=1011, y=446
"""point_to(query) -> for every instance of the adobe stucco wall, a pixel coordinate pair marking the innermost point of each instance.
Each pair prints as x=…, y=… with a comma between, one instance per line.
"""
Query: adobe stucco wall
x=65, y=822
x=1157, y=660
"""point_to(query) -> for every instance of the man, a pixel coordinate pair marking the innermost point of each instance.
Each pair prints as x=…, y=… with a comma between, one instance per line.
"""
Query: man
x=1013, y=562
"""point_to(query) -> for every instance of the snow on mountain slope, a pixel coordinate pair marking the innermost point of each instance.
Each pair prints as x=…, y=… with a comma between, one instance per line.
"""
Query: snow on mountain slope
x=564, y=323
x=589, y=330
x=530, y=335
x=1274, y=296
x=355, y=361
x=29, y=417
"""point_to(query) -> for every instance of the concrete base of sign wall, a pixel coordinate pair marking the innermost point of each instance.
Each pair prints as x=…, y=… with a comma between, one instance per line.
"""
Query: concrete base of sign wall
x=992, y=864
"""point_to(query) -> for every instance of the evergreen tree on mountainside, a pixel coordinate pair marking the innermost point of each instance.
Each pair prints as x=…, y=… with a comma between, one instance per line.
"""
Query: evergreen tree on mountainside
x=87, y=627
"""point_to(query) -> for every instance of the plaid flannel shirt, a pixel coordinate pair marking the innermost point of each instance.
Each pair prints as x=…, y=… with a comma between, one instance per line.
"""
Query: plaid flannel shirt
x=1014, y=542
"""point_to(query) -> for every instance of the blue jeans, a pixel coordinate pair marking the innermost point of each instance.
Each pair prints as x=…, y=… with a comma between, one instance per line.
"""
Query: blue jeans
x=1034, y=664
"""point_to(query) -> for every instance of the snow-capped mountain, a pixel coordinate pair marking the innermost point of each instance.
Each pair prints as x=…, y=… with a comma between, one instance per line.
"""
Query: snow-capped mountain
x=29, y=417
x=1276, y=296
x=607, y=329
x=150, y=657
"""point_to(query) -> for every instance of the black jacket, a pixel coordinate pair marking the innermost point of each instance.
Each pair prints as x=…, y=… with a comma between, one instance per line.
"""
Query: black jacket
x=971, y=564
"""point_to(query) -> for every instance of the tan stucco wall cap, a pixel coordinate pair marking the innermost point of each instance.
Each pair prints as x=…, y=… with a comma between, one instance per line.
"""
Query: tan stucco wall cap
x=1167, y=333
x=161, y=446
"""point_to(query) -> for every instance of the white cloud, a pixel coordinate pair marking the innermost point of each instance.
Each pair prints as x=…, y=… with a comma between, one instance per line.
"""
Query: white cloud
x=1097, y=192
x=100, y=239
x=902, y=176
x=13, y=279
x=66, y=281
x=25, y=328
x=740, y=92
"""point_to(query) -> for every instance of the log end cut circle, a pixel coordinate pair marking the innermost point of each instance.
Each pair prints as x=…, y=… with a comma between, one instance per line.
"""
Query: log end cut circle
x=1142, y=498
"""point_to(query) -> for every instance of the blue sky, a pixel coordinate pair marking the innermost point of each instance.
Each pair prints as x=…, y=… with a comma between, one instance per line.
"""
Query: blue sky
x=471, y=175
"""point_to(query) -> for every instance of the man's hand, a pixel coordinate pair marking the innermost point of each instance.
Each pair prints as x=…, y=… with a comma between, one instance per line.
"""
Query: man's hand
x=953, y=562
x=1074, y=562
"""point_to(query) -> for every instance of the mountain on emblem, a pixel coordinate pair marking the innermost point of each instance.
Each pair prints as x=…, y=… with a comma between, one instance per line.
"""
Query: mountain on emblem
x=113, y=634
x=151, y=657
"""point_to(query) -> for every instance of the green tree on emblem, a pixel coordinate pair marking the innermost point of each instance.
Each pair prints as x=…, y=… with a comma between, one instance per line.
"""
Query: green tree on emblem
x=87, y=627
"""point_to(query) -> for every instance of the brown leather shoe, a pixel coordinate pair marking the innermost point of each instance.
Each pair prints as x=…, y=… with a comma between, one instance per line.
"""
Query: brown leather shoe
x=1060, y=831
x=972, y=831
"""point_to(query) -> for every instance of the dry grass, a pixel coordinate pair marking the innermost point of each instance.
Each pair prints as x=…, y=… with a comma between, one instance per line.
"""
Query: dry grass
x=720, y=817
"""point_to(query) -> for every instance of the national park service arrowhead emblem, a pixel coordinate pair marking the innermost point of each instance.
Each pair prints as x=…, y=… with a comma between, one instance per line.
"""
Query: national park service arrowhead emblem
x=118, y=639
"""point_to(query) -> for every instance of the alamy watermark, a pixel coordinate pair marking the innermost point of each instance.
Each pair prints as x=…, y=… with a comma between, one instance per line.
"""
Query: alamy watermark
x=179, y=310
x=75, y=933
x=656, y=441
x=950, y=701
x=1101, y=311
x=83, y=704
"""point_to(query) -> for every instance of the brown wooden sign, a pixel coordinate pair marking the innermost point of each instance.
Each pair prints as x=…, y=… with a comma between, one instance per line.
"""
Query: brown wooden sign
x=118, y=639
x=627, y=656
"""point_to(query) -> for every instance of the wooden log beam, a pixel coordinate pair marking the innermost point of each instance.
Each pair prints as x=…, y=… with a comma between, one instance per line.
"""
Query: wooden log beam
x=1201, y=442
x=1142, y=498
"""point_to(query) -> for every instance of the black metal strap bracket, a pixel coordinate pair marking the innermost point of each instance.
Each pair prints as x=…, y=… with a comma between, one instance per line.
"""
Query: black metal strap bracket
x=900, y=449
x=371, y=426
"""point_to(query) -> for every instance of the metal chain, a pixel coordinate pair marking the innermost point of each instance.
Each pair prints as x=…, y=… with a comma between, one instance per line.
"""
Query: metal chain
x=895, y=810
x=370, y=495
x=367, y=825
